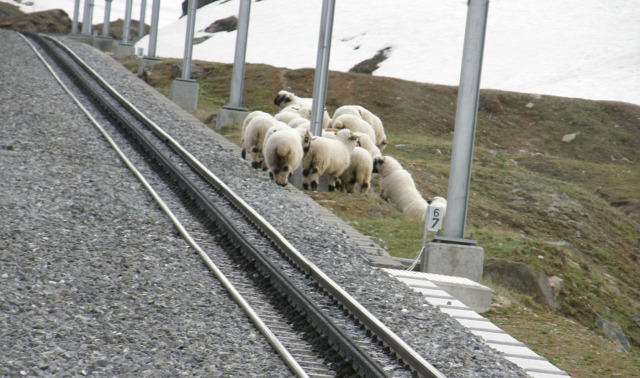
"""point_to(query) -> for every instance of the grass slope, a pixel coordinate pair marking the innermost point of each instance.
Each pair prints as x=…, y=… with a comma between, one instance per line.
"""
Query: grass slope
x=569, y=210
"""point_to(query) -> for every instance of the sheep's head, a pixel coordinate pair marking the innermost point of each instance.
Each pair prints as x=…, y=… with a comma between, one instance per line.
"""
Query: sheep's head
x=377, y=164
x=347, y=135
x=281, y=177
x=383, y=145
x=306, y=141
x=283, y=98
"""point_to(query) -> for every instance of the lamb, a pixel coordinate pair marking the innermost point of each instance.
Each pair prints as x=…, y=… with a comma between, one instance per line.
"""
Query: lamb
x=358, y=172
x=364, y=141
x=302, y=105
x=353, y=123
x=283, y=154
x=372, y=119
x=253, y=138
x=397, y=187
x=327, y=156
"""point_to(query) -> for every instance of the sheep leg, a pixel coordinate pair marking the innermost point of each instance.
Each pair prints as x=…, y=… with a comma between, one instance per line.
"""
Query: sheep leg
x=338, y=183
x=332, y=184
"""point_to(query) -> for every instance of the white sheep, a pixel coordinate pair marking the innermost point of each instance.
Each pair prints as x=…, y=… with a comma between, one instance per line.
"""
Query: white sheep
x=302, y=105
x=327, y=156
x=283, y=154
x=285, y=98
x=287, y=116
x=276, y=127
x=251, y=116
x=358, y=172
x=372, y=119
x=300, y=122
x=364, y=141
x=253, y=138
x=353, y=123
x=397, y=187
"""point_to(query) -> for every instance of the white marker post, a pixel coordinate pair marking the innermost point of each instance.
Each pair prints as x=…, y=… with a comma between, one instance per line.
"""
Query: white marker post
x=432, y=222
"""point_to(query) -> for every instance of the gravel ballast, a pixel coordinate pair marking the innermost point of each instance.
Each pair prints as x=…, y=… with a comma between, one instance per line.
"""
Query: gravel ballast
x=96, y=279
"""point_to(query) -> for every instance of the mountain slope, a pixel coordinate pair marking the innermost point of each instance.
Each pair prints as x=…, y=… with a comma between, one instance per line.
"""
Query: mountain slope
x=568, y=210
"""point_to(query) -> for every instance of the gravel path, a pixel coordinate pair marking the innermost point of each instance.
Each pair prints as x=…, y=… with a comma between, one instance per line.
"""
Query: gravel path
x=94, y=279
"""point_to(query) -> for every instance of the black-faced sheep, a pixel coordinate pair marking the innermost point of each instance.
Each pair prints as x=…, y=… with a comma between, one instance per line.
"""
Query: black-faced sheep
x=327, y=156
x=300, y=122
x=372, y=119
x=302, y=105
x=353, y=123
x=287, y=117
x=358, y=172
x=397, y=187
x=364, y=141
x=251, y=116
x=283, y=154
x=253, y=138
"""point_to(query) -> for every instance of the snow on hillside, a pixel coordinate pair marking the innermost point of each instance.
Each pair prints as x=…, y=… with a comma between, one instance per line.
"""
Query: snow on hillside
x=587, y=49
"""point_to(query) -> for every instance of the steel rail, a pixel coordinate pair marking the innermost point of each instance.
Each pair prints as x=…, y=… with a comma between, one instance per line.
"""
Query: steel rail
x=405, y=352
x=344, y=345
x=226, y=283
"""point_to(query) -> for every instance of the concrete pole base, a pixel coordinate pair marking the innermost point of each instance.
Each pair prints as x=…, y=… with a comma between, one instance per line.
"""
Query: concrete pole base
x=185, y=93
x=104, y=44
x=122, y=49
x=453, y=260
x=231, y=116
x=147, y=62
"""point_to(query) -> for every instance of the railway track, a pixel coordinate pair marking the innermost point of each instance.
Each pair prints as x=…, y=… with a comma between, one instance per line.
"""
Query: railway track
x=317, y=328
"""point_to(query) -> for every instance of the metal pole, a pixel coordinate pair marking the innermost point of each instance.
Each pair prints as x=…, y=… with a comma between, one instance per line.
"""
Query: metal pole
x=106, y=26
x=237, y=78
x=76, y=11
x=143, y=11
x=188, y=44
x=92, y=5
x=322, y=67
x=153, y=34
x=86, y=17
x=127, y=23
x=466, y=117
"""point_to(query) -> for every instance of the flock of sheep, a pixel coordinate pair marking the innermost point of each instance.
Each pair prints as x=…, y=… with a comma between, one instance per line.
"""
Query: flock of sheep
x=348, y=152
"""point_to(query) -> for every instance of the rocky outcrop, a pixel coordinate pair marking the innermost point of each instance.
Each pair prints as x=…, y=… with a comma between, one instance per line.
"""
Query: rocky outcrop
x=522, y=279
x=224, y=24
x=201, y=3
x=371, y=64
x=54, y=21
x=613, y=332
